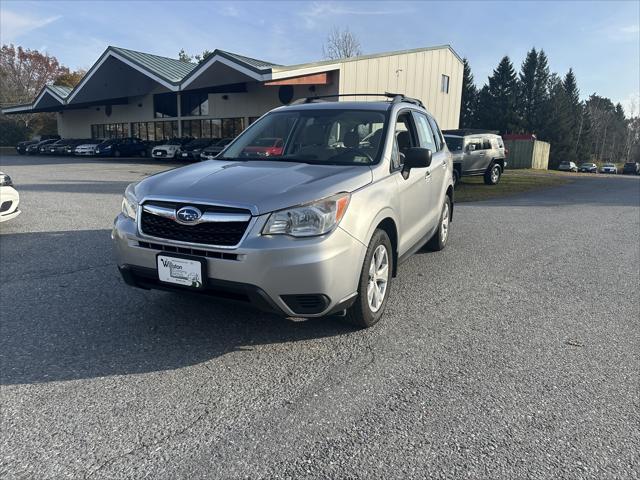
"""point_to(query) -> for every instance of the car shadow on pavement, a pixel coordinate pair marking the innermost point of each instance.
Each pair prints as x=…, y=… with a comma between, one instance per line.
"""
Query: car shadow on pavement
x=67, y=315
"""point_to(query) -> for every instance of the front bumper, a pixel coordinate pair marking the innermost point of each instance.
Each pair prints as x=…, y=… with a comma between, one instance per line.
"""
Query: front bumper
x=270, y=272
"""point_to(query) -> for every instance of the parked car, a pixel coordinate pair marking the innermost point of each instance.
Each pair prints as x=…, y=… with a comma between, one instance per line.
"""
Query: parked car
x=122, y=147
x=588, y=167
x=314, y=231
x=40, y=147
x=192, y=150
x=264, y=147
x=170, y=149
x=568, y=167
x=87, y=148
x=476, y=153
x=70, y=147
x=632, y=168
x=608, y=168
x=213, y=150
x=21, y=147
x=9, y=199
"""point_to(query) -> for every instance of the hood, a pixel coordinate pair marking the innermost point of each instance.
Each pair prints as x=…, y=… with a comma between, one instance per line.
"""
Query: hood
x=260, y=186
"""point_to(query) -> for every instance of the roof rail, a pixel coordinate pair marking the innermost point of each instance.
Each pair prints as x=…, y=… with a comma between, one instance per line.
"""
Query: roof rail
x=395, y=98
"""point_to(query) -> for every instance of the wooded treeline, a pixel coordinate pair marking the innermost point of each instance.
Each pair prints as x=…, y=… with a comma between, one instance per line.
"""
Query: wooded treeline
x=537, y=101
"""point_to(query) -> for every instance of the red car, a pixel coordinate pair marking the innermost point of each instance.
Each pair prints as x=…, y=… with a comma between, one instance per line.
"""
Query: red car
x=264, y=147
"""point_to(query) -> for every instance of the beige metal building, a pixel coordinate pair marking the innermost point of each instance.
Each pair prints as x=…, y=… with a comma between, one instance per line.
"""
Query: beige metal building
x=129, y=93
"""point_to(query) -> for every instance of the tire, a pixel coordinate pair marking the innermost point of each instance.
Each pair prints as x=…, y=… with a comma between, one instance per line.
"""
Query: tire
x=493, y=174
x=361, y=313
x=440, y=238
x=456, y=177
x=143, y=153
x=116, y=153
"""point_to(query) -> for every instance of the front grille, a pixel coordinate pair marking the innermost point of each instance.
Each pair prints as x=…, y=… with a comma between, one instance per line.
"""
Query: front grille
x=188, y=251
x=5, y=206
x=224, y=234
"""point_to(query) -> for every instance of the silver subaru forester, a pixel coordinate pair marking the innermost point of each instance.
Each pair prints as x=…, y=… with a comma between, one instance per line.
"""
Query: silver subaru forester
x=307, y=213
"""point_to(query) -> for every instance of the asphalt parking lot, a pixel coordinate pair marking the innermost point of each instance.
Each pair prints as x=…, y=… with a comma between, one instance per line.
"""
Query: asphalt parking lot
x=511, y=354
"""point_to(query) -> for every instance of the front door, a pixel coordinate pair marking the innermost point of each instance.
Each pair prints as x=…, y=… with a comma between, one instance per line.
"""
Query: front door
x=413, y=186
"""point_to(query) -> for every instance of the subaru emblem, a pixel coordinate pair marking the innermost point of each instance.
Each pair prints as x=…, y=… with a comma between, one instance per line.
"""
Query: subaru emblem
x=188, y=215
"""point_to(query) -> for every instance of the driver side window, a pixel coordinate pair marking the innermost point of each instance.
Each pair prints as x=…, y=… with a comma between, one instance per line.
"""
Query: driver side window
x=405, y=139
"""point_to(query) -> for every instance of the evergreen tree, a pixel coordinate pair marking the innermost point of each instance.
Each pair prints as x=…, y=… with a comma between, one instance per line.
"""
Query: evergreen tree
x=559, y=120
x=469, y=105
x=526, y=99
x=497, y=102
x=575, y=108
x=540, y=92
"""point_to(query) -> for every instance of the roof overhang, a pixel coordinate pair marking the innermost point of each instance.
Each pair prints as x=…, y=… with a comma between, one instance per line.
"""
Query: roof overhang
x=113, y=75
x=220, y=69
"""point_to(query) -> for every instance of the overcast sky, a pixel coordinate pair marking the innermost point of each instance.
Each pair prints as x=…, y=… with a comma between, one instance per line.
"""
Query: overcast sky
x=600, y=40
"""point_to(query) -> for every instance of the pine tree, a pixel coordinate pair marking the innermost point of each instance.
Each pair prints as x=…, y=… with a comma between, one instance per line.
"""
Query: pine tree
x=526, y=99
x=572, y=94
x=469, y=104
x=497, y=101
x=540, y=92
x=559, y=121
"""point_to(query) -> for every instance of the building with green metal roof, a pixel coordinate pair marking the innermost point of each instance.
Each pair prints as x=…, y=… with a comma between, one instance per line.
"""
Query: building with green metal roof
x=130, y=93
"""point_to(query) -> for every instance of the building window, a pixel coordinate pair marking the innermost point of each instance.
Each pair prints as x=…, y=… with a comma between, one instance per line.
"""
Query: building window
x=194, y=104
x=155, y=131
x=110, y=130
x=213, y=127
x=165, y=105
x=445, y=84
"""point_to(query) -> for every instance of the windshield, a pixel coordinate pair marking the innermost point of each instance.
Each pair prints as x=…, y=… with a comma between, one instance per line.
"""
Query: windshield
x=454, y=143
x=313, y=136
x=587, y=165
x=608, y=165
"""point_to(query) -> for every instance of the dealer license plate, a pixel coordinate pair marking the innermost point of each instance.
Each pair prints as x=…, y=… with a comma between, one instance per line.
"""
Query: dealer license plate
x=188, y=272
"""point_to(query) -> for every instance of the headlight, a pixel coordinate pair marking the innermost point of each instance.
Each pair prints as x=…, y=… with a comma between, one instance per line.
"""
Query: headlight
x=106, y=148
x=5, y=180
x=316, y=218
x=130, y=202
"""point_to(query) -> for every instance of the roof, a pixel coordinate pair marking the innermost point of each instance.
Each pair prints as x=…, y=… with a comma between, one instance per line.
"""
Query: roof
x=170, y=69
x=366, y=57
x=254, y=62
x=60, y=90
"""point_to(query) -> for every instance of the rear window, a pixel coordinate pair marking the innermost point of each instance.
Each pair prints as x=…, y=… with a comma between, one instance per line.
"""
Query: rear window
x=454, y=143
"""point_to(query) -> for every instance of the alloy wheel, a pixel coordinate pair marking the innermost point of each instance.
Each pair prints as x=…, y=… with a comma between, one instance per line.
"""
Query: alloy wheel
x=378, y=278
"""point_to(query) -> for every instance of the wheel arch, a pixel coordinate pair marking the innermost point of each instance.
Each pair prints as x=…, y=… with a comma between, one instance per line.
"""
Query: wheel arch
x=450, y=194
x=389, y=226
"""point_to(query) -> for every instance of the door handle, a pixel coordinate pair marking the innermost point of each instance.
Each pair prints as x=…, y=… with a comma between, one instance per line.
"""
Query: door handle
x=427, y=174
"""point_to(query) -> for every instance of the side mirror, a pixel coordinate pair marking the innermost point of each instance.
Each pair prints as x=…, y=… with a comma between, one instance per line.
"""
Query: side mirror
x=417, y=157
x=471, y=147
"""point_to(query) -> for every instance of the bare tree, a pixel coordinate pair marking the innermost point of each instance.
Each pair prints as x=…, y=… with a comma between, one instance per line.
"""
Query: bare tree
x=341, y=44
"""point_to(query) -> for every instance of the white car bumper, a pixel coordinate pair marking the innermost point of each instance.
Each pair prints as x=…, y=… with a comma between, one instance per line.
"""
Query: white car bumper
x=9, y=200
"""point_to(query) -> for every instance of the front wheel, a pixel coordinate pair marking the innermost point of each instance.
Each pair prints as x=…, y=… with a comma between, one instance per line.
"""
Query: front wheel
x=492, y=176
x=374, y=283
x=116, y=153
x=439, y=239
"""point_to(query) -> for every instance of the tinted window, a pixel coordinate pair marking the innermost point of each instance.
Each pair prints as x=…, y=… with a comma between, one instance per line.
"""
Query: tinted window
x=437, y=134
x=486, y=144
x=424, y=132
x=454, y=143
